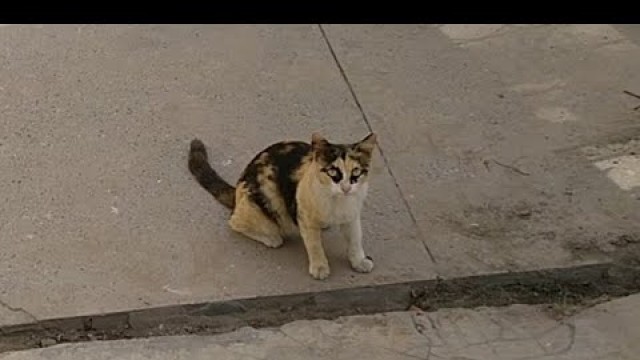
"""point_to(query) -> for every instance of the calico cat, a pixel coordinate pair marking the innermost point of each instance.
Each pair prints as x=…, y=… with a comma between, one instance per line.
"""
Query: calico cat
x=293, y=189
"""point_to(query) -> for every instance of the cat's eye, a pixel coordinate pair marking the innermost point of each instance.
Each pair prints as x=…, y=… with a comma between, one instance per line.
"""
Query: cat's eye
x=334, y=173
x=356, y=173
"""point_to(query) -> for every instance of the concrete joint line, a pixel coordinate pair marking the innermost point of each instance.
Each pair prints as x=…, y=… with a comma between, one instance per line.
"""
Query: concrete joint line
x=366, y=121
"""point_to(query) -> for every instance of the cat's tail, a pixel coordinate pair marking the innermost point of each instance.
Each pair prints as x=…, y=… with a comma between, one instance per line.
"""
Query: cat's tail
x=207, y=177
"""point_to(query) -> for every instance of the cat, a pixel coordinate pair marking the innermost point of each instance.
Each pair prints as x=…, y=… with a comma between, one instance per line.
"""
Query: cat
x=296, y=189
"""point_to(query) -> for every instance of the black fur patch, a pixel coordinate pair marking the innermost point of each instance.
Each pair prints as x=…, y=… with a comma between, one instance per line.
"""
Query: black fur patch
x=332, y=152
x=284, y=159
x=256, y=195
x=286, y=165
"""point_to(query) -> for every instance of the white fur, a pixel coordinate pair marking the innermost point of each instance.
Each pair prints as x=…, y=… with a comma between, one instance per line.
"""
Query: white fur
x=335, y=207
x=332, y=205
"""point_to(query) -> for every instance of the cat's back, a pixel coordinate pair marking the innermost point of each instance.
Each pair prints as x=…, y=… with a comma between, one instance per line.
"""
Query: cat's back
x=271, y=178
x=284, y=157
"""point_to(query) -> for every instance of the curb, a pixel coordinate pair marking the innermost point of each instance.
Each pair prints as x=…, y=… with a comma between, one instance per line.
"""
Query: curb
x=572, y=285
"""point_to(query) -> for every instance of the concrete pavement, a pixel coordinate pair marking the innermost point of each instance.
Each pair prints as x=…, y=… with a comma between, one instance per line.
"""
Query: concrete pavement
x=506, y=148
x=606, y=332
x=503, y=139
x=101, y=213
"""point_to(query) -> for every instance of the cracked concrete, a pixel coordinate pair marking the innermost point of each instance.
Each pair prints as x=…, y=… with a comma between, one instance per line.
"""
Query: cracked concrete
x=15, y=314
x=518, y=332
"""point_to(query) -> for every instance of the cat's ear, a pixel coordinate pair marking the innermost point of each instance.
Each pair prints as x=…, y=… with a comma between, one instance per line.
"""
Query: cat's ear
x=368, y=143
x=318, y=141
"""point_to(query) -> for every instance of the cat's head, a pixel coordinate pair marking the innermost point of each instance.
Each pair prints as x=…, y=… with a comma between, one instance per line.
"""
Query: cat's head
x=344, y=168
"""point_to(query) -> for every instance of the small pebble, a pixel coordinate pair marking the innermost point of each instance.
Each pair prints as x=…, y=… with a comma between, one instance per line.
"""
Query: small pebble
x=47, y=342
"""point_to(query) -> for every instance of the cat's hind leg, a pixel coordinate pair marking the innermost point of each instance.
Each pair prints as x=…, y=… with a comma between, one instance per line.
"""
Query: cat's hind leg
x=249, y=220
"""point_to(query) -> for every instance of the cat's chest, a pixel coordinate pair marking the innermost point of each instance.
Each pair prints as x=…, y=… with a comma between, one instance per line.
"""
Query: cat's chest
x=342, y=209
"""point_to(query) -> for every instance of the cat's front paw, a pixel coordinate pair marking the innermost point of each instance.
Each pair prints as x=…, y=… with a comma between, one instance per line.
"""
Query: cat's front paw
x=319, y=271
x=363, y=265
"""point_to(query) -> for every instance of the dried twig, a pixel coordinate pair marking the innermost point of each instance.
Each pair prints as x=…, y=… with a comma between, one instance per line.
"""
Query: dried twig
x=631, y=94
x=512, y=168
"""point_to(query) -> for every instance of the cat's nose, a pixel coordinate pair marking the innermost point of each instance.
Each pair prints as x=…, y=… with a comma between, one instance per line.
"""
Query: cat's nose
x=346, y=187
